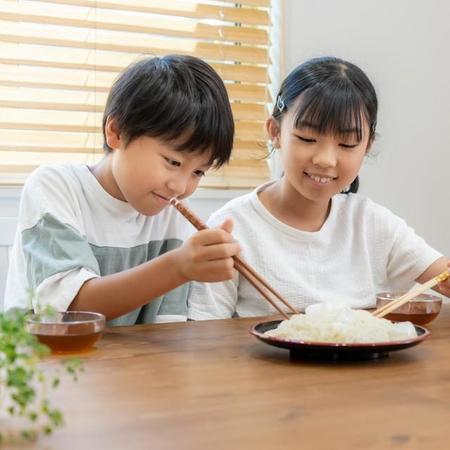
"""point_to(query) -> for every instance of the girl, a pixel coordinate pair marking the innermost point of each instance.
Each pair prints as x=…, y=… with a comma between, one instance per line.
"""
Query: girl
x=309, y=234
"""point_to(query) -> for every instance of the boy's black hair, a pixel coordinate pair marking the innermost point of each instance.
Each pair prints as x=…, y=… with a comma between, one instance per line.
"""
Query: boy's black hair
x=172, y=97
x=336, y=96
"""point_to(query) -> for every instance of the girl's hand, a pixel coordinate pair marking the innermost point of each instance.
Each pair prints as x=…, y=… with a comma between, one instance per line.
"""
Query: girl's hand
x=208, y=255
x=444, y=287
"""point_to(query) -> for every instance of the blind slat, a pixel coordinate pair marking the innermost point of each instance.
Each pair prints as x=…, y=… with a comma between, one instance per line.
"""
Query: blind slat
x=239, y=155
x=233, y=178
x=49, y=149
x=227, y=179
x=23, y=13
x=87, y=122
x=35, y=157
x=251, y=16
x=147, y=45
x=249, y=169
x=19, y=113
x=30, y=138
x=82, y=142
x=98, y=61
x=260, y=3
x=47, y=89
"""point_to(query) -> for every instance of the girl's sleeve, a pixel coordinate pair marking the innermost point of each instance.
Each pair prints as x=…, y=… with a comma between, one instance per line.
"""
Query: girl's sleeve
x=407, y=254
x=50, y=257
x=213, y=300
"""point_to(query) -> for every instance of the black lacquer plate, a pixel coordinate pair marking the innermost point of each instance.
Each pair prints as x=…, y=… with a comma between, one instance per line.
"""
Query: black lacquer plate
x=335, y=351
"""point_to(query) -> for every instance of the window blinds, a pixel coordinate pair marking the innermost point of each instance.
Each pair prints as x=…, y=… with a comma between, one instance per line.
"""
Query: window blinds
x=58, y=60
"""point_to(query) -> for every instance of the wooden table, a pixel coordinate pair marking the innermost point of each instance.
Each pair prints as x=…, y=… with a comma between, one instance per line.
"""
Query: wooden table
x=211, y=385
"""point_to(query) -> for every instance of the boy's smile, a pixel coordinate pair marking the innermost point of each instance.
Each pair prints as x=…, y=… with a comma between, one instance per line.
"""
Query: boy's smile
x=161, y=198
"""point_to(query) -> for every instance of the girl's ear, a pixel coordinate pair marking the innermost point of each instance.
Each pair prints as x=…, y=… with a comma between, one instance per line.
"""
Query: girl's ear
x=369, y=146
x=273, y=131
x=112, y=133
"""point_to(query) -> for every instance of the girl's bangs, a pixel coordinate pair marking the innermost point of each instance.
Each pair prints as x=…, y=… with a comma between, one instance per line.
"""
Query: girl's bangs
x=335, y=108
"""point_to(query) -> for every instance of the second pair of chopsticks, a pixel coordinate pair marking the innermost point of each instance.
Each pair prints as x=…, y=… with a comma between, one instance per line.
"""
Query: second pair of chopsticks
x=413, y=292
x=259, y=283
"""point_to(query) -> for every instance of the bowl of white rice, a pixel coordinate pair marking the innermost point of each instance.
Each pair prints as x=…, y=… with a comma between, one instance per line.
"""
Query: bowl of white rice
x=335, y=331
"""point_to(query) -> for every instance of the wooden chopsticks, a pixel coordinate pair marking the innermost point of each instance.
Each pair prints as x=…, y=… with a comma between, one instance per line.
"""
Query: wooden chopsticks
x=258, y=282
x=413, y=292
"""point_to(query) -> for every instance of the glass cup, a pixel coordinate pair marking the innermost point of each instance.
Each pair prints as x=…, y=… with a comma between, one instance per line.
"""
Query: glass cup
x=421, y=310
x=70, y=331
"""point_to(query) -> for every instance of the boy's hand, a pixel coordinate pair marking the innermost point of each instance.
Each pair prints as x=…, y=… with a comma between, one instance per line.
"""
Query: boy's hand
x=208, y=254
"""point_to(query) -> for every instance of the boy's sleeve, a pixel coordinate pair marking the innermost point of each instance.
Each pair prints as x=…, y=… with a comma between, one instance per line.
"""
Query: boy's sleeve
x=58, y=261
x=50, y=255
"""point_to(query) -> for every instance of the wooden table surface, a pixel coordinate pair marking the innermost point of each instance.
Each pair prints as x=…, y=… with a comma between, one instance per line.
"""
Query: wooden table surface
x=212, y=385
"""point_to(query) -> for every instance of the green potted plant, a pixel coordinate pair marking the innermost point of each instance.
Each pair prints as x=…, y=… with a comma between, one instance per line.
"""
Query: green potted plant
x=25, y=407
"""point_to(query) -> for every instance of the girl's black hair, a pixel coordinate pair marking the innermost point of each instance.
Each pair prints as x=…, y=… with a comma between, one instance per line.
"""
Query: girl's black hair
x=171, y=97
x=336, y=96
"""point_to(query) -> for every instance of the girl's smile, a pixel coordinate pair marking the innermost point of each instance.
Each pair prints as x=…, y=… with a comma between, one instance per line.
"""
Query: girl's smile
x=318, y=179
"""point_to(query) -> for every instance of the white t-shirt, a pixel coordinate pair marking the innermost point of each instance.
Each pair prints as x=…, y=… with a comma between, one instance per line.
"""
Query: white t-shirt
x=361, y=249
x=71, y=230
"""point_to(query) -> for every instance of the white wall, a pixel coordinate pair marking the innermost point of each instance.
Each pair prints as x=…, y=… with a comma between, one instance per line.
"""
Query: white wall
x=404, y=46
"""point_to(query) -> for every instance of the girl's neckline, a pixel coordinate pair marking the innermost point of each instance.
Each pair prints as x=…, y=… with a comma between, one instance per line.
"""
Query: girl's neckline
x=267, y=215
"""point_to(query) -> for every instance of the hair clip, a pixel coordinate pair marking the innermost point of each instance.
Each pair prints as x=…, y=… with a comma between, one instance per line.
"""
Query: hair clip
x=280, y=104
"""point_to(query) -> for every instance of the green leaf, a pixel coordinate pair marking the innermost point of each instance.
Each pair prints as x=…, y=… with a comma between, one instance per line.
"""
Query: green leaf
x=25, y=384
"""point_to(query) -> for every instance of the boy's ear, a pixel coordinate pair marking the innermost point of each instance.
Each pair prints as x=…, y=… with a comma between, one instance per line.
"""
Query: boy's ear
x=112, y=133
x=273, y=130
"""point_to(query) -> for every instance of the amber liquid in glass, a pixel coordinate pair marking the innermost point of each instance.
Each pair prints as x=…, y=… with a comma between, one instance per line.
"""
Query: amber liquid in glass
x=68, y=343
x=417, y=318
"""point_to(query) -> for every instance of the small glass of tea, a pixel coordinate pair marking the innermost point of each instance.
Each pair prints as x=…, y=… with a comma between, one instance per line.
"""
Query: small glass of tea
x=67, y=332
x=420, y=310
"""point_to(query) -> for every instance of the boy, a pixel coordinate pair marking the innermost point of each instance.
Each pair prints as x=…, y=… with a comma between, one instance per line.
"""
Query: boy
x=102, y=238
